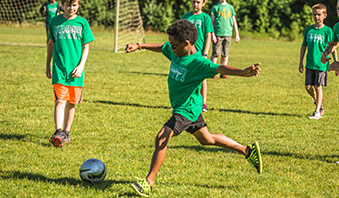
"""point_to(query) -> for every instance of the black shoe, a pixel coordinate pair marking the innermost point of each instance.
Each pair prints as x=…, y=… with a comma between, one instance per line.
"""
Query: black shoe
x=57, y=137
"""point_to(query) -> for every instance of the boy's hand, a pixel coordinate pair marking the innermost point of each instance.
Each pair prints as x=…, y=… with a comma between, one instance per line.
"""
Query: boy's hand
x=252, y=70
x=301, y=68
x=77, y=72
x=237, y=39
x=131, y=48
x=48, y=71
x=214, y=38
x=334, y=66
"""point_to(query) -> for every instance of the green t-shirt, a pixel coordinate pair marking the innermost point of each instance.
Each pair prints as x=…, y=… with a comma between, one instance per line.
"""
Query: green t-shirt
x=184, y=81
x=203, y=24
x=69, y=36
x=223, y=23
x=51, y=11
x=316, y=41
x=335, y=33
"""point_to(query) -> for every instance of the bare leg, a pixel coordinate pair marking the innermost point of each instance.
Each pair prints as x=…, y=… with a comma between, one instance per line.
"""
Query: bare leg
x=206, y=138
x=224, y=60
x=69, y=115
x=59, y=110
x=47, y=34
x=203, y=91
x=214, y=59
x=311, y=91
x=159, y=154
x=319, y=97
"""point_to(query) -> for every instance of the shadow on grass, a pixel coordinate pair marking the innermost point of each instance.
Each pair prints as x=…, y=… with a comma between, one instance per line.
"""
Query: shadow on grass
x=203, y=148
x=143, y=73
x=11, y=136
x=212, y=109
x=128, y=104
x=325, y=158
x=63, y=181
x=200, y=185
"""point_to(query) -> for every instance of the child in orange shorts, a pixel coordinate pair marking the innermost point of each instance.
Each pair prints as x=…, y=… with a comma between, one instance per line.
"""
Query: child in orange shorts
x=68, y=66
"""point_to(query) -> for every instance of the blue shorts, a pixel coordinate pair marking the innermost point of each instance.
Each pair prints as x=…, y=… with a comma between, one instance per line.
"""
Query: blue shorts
x=179, y=123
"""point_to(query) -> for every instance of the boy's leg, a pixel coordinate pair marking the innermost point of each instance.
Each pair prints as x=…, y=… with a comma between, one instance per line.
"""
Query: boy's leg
x=319, y=97
x=69, y=115
x=59, y=111
x=223, y=61
x=159, y=153
x=203, y=92
x=311, y=92
x=252, y=152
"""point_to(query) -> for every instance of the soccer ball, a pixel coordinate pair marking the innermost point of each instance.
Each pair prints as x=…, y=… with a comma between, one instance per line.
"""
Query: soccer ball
x=93, y=171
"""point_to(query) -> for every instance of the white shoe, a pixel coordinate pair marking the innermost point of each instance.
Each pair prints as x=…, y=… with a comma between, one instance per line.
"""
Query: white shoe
x=316, y=115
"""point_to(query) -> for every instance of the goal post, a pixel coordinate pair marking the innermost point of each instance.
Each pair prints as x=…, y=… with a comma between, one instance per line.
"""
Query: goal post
x=114, y=22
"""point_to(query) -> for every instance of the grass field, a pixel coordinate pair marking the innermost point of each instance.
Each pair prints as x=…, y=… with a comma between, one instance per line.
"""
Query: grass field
x=125, y=105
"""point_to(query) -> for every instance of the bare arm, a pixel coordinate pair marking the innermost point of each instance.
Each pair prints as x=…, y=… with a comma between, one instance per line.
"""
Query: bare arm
x=78, y=70
x=235, y=25
x=330, y=49
x=155, y=47
x=253, y=70
x=301, y=59
x=207, y=43
x=50, y=47
x=214, y=38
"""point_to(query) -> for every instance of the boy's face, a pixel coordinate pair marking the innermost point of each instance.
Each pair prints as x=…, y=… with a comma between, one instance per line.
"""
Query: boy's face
x=71, y=8
x=197, y=5
x=318, y=16
x=177, y=46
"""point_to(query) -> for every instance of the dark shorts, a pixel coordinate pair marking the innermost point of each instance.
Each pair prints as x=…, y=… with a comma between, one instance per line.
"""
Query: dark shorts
x=316, y=77
x=222, y=47
x=179, y=123
x=46, y=24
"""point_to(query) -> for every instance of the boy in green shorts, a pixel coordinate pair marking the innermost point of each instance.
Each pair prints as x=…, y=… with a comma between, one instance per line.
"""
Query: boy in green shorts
x=69, y=38
x=223, y=20
x=203, y=23
x=188, y=69
x=49, y=10
x=316, y=39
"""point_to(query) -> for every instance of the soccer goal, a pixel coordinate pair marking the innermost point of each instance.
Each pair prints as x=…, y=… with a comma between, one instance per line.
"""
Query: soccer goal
x=114, y=22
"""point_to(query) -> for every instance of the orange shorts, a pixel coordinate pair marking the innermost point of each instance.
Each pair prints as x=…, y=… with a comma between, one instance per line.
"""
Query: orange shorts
x=71, y=94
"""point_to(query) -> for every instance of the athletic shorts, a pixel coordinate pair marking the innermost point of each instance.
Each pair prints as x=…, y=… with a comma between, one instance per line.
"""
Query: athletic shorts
x=71, y=94
x=179, y=123
x=222, y=47
x=315, y=77
x=46, y=24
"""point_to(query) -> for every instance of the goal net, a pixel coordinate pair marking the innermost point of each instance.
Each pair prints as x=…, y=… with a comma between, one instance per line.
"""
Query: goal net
x=114, y=22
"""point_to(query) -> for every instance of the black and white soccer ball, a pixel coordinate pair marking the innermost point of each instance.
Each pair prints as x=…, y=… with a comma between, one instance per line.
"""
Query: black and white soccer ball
x=93, y=171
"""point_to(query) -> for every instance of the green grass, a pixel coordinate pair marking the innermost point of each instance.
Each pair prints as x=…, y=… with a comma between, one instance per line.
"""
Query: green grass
x=125, y=105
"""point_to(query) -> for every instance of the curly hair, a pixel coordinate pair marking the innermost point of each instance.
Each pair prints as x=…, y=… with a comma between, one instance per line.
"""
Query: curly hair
x=183, y=30
x=70, y=1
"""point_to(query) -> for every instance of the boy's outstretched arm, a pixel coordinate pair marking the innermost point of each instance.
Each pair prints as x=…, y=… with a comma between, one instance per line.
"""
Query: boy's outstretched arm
x=330, y=48
x=155, y=47
x=253, y=70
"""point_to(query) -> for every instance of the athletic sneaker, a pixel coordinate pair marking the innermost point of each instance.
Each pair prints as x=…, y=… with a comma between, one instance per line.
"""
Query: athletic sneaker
x=316, y=115
x=254, y=156
x=142, y=187
x=223, y=76
x=322, y=110
x=204, y=108
x=57, y=138
x=66, y=137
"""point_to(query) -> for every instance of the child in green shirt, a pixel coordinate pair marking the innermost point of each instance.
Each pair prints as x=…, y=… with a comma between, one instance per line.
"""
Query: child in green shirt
x=49, y=10
x=188, y=69
x=316, y=39
x=69, y=39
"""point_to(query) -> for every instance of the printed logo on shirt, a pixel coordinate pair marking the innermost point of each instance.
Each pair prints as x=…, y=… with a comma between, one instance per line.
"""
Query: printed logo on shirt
x=52, y=10
x=315, y=38
x=177, y=73
x=224, y=13
x=67, y=32
x=196, y=22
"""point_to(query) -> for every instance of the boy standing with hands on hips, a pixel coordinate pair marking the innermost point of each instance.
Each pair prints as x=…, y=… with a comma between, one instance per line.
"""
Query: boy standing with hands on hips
x=69, y=38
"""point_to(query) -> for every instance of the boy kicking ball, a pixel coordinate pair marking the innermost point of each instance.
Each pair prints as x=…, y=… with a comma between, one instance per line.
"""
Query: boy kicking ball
x=188, y=69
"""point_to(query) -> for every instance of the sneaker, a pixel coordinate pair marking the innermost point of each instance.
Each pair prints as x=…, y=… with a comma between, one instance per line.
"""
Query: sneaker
x=66, y=137
x=223, y=76
x=254, y=156
x=322, y=110
x=57, y=138
x=215, y=77
x=316, y=115
x=204, y=108
x=142, y=187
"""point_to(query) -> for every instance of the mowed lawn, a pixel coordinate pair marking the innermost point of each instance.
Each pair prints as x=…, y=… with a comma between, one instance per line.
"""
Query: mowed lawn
x=126, y=104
